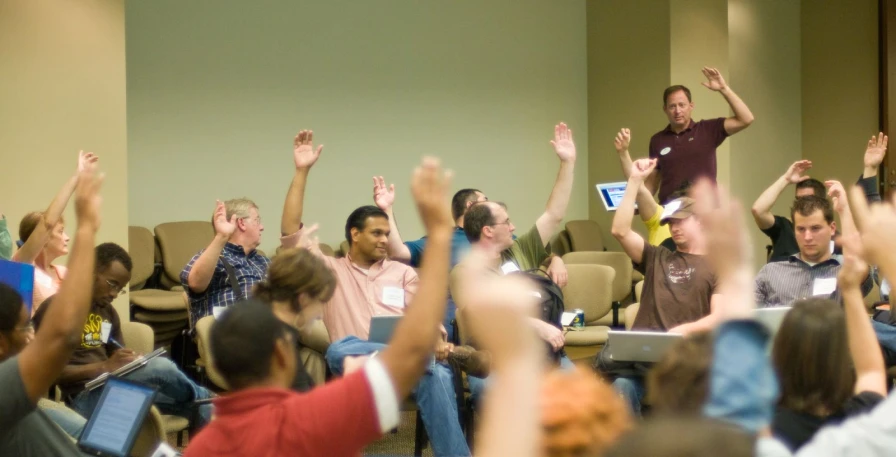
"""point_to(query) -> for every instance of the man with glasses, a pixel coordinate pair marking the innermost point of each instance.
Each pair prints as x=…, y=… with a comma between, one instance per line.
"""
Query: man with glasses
x=231, y=259
x=101, y=348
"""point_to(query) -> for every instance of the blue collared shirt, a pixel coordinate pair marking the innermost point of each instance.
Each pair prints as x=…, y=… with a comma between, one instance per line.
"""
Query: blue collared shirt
x=249, y=269
x=460, y=245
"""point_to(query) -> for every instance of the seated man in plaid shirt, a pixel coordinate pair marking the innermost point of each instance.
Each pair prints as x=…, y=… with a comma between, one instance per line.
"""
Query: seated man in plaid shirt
x=238, y=231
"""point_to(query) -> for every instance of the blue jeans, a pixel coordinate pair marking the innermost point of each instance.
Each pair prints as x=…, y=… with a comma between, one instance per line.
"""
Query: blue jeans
x=69, y=421
x=434, y=394
x=632, y=390
x=478, y=385
x=886, y=334
x=176, y=392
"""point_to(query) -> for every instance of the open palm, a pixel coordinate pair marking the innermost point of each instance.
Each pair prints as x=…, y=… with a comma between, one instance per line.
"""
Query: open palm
x=714, y=79
x=383, y=196
x=563, y=143
x=876, y=150
x=303, y=150
x=222, y=225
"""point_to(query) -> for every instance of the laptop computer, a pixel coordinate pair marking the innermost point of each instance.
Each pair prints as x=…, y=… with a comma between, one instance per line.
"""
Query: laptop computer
x=611, y=194
x=771, y=319
x=381, y=328
x=637, y=346
x=19, y=276
x=115, y=423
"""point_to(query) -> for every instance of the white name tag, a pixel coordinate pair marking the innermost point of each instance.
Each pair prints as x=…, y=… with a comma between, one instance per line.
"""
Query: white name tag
x=105, y=330
x=509, y=267
x=164, y=450
x=217, y=310
x=824, y=286
x=393, y=296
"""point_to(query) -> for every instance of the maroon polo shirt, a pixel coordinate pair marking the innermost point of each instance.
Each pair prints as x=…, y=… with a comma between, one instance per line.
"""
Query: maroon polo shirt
x=688, y=155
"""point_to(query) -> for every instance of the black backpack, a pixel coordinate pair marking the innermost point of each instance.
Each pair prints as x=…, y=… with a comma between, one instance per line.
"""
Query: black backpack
x=550, y=303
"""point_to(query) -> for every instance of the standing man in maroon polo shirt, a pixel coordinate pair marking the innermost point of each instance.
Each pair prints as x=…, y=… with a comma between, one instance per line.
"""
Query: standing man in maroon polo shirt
x=686, y=150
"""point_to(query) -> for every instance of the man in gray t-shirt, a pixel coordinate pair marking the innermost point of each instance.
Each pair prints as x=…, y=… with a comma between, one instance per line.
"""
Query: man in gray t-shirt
x=24, y=429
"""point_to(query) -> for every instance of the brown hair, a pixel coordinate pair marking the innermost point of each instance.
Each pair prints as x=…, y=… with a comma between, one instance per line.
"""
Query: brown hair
x=294, y=272
x=810, y=204
x=679, y=382
x=688, y=436
x=673, y=89
x=811, y=356
x=580, y=414
x=29, y=223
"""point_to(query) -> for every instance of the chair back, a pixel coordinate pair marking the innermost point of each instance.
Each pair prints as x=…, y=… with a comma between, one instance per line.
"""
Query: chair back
x=141, y=247
x=179, y=242
x=618, y=261
x=589, y=288
x=203, y=335
x=585, y=235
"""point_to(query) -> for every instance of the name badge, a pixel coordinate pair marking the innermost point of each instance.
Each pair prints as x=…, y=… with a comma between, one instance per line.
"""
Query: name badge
x=217, y=310
x=105, y=330
x=824, y=286
x=509, y=267
x=393, y=296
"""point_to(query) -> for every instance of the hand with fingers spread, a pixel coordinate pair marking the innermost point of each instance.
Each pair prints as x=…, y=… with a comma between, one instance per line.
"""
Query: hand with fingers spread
x=794, y=173
x=623, y=140
x=642, y=168
x=430, y=186
x=86, y=160
x=223, y=227
x=383, y=196
x=303, y=151
x=837, y=195
x=875, y=152
x=563, y=143
x=714, y=79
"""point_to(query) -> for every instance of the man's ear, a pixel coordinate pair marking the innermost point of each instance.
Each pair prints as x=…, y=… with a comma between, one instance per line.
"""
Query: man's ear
x=833, y=227
x=488, y=231
x=355, y=233
x=241, y=224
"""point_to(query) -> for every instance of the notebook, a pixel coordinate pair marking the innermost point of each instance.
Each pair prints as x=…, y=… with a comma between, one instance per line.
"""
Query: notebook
x=19, y=276
x=115, y=423
x=137, y=363
x=381, y=328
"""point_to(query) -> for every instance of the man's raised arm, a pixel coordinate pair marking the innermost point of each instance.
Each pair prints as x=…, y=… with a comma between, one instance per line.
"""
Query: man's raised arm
x=762, y=207
x=632, y=242
x=203, y=269
x=41, y=362
x=411, y=348
x=742, y=116
x=304, y=155
x=646, y=204
x=555, y=211
x=384, y=197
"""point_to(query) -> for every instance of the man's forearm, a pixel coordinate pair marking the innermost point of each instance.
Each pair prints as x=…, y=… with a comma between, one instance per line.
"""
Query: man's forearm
x=559, y=199
x=763, y=204
x=625, y=161
x=741, y=111
x=516, y=388
x=847, y=225
x=622, y=220
x=291, y=220
x=397, y=250
x=204, y=267
x=863, y=343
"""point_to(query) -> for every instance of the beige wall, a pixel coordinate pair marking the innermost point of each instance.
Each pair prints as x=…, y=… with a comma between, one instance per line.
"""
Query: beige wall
x=62, y=89
x=764, y=50
x=627, y=72
x=217, y=90
x=839, y=85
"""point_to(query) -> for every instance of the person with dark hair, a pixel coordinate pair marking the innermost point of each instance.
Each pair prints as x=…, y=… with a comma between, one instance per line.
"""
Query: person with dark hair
x=677, y=384
x=254, y=352
x=680, y=292
x=238, y=230
x=44, y=239
x=101, y=347
x=812, y=272
x=686, y=150
x=30, y=362
x=780, y=229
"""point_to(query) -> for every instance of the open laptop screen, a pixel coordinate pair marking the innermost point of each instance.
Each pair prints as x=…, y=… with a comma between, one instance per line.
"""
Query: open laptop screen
x=19, y=276
x=611, y=194
x=113, y=427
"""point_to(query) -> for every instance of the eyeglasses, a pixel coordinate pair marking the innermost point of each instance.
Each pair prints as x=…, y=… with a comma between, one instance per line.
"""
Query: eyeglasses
x=507, y=223
x=256, y=219
x=116, y=287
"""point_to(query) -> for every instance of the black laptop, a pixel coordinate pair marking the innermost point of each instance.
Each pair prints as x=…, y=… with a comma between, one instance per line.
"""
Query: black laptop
x=115, y=423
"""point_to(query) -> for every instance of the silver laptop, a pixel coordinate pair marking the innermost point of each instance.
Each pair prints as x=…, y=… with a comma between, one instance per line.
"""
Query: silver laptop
x=611, y=194
x=771, y=318
x=637, y=346
x=381, y=328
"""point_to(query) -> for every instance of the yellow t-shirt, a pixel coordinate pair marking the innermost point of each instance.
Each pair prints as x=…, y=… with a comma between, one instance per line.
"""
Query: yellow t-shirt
x=656, y=233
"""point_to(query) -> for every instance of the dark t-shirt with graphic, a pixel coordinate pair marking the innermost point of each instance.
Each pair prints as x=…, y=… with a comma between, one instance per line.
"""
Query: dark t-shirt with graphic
x=678, y=289
x=91, y=348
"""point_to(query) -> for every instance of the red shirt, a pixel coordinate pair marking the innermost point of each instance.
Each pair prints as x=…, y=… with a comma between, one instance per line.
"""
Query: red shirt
x=337, y=419
x=688, y=155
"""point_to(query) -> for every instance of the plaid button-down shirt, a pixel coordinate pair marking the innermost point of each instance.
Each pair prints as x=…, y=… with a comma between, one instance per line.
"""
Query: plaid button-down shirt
x=249, y=270
x=782, y=283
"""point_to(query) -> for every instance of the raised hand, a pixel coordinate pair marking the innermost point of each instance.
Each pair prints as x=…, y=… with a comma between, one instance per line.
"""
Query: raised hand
x=383, y=196
x=309, y=239
x=303, y=151
x=430, y=186
x=86, y=159
x=642, y=168
x=876, y=150
x=794, y=173
x=87, y=196
x=837, y=195
x=223, y=226
x=714, y=79
x=854, y=270
x=622, y=140
x=563, y=143
x=500, y=313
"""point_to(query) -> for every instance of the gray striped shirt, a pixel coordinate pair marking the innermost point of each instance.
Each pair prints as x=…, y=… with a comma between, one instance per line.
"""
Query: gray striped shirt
x=782, y=283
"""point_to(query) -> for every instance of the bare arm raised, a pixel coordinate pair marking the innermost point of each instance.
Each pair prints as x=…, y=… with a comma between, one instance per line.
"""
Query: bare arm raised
x=742, y=116
x=304, y=156
x=384, y=197
x=632, y=242
x=647, y=206
x=548, y=223
x=762, y=207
